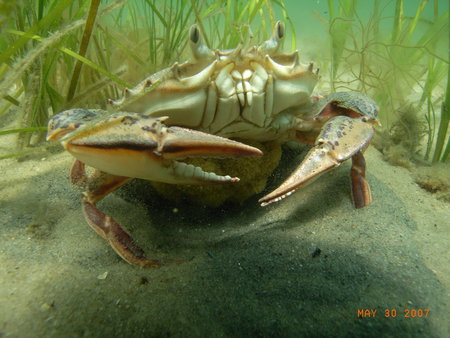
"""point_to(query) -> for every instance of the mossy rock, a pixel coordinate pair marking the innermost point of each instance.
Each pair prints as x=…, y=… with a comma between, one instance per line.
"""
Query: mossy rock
x=434, y=179
x=253, y=173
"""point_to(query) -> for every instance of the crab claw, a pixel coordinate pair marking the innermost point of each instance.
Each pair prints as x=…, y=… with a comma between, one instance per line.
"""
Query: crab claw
x=341, y=137
x=132, y=145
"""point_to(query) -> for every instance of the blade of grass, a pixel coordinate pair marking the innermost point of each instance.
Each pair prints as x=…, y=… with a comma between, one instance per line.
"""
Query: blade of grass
x=157, y=12
x=9, y=98
x=443, y=126
x=88, y=27
x=16, y=96
x=78, y=57
x=413, y=24
x=398, y=20
x=21, y=130
x=21, y=153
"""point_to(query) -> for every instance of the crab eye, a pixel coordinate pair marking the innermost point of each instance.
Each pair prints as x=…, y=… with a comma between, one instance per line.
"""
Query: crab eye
x=280, y=30
x=194, y=34
x=199, y=50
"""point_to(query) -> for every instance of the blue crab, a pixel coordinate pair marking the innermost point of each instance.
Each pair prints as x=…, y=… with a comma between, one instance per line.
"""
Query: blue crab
x=195, y=109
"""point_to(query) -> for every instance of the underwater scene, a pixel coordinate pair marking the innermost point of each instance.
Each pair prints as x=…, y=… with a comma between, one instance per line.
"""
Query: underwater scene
x=217, y=168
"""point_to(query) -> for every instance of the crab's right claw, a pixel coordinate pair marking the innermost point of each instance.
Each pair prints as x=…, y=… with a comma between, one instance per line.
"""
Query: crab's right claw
x=341, y=138
x=132, y=145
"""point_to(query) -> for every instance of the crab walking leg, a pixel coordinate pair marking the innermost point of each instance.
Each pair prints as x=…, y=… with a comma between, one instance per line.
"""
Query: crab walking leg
x=360, y=188
x=97, y=187
x=120, y=241
x=78, y=174
x=341, y=138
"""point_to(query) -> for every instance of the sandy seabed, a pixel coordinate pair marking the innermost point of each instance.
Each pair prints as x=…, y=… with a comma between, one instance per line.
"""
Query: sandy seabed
x=303, y=267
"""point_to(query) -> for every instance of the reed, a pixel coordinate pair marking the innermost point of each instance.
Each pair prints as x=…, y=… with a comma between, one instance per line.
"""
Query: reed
x=442, y=148
x=390, y=65
x=340, y=29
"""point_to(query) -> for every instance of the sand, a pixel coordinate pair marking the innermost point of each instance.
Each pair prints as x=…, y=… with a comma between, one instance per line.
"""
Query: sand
x=305, y=266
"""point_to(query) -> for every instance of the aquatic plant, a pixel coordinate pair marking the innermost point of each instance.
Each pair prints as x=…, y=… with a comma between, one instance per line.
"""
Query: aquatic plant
x=34, y=66
x=340, y=29
x=58, y=54
x=392, y=65
x=440, y=153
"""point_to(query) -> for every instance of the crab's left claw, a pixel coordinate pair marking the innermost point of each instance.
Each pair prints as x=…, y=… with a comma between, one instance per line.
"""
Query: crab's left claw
x=341, y=138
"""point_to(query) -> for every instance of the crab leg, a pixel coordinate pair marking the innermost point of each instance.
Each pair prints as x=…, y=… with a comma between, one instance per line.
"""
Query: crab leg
x=98, y=186
x=341, y=138
x=120, y=241
x=360, y=188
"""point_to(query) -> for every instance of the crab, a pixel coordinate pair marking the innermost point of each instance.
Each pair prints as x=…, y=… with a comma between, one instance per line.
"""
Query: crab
x=196, y=109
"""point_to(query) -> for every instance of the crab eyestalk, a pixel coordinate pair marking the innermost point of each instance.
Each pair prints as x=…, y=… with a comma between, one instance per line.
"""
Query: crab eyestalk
x=199, y=50
x=271, y=46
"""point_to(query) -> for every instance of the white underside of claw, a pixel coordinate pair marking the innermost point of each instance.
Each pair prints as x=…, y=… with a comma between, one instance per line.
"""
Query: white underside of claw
x=190, y=171
x=263, y=204
x=141, y=165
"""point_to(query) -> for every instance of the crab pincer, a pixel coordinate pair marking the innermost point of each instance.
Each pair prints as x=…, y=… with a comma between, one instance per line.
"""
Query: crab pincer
x=132, y=145
x=346, y=134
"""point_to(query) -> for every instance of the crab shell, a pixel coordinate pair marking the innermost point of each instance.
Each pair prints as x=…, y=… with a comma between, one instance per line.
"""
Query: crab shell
x=246, y=93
